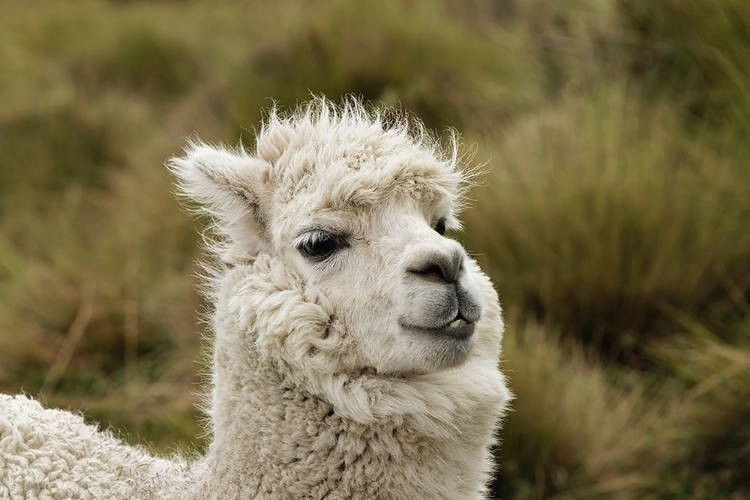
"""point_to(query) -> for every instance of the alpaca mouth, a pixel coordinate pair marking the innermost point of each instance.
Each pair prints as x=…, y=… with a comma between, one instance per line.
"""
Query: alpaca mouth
x=458, y=329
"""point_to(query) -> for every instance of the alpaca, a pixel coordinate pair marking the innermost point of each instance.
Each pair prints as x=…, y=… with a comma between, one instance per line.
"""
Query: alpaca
x=355, y=347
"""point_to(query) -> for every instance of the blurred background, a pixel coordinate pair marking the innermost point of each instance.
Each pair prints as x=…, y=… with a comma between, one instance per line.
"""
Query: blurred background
x=614, y=219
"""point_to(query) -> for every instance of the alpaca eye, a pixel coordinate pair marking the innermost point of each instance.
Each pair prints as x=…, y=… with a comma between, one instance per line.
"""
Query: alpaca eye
x=320, y=246
x=440, y=226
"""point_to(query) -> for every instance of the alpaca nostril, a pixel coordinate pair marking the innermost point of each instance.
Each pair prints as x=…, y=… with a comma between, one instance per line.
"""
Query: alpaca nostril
x=441, y=267
x=433, y=271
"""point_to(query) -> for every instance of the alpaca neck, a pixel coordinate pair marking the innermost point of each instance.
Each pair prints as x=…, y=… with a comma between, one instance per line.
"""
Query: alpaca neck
x=274, y=440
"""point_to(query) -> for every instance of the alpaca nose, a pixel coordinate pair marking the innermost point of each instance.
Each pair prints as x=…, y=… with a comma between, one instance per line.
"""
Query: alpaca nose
x=439, y=266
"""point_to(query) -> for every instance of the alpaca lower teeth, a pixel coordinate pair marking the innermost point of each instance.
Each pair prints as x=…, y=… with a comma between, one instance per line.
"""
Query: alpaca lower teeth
x=457, y=323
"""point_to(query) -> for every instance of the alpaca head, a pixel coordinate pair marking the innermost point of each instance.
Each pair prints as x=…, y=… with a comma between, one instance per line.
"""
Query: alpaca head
x=355, y=204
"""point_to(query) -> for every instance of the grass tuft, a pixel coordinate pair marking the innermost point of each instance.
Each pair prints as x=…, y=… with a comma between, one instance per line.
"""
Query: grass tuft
x=606, y=218
x=572, y=432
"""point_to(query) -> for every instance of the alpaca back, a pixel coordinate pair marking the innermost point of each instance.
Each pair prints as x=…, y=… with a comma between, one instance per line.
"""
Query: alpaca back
x=48, y=453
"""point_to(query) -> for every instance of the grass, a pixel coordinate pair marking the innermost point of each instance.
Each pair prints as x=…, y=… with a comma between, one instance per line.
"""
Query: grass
x=349, y=48
x=573, y=431
x=616, y=221
x=614, y=218
x=697, y=51
x=712, y=430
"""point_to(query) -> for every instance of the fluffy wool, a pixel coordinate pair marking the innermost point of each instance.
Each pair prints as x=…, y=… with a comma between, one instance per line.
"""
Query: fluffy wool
x=355, y=348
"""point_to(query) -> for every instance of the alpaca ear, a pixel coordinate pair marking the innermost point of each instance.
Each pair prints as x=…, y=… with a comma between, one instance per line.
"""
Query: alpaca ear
x=228, y=184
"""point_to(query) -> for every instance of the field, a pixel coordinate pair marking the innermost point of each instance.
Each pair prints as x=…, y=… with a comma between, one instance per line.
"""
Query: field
x=613, y=215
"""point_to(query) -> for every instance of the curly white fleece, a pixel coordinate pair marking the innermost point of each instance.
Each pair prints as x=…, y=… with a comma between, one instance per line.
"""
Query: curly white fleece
x=53, y=454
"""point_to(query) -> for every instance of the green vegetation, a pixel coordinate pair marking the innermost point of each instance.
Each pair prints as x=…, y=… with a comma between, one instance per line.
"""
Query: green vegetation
x=614, y=217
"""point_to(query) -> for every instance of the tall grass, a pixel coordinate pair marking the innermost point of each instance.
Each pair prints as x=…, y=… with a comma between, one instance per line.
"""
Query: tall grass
x=696, y=53
x=605, y=218
x=614, y=217
x=442, y=64
x=575, y=431
x=712, y=427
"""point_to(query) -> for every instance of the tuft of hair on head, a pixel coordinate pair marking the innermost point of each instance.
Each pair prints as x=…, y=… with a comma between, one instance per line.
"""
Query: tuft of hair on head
x=320, y=113
x=231, y=184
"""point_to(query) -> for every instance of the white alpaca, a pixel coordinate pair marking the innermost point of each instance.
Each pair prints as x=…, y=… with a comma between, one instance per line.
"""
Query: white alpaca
x=355, y=347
